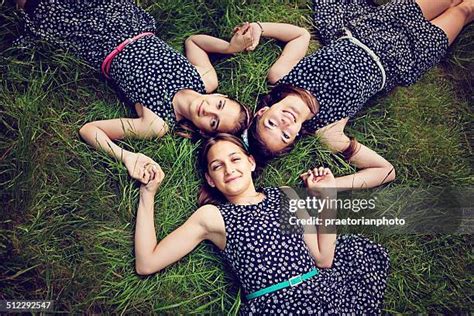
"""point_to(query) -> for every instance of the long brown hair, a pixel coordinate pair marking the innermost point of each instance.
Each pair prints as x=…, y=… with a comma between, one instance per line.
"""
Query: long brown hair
x=208, y=194
x=186, y=128
x=258, y=148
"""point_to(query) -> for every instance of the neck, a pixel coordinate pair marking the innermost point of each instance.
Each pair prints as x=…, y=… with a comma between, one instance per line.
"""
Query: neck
x=182, y=101
x=303, y=107
x=248, y=197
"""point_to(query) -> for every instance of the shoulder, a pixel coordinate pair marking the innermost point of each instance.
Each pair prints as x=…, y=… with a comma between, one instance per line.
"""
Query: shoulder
x=209, y=217
x=289, y=192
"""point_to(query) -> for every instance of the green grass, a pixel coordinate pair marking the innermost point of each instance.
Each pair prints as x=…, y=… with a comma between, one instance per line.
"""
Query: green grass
x=68, y=212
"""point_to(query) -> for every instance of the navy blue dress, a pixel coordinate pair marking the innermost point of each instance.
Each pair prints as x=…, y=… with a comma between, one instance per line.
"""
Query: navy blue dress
x=342, y=76
x=261, y=253
x=147, y=71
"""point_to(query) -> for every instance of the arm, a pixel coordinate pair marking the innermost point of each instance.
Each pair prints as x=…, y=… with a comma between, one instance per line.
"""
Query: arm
x=100, y=135
x=321, y=243
x=153, y=256
x=199, y=46
x=374, y=170
x=296, y=39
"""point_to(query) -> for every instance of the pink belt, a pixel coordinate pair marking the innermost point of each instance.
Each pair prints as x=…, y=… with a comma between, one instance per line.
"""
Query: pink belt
x=108, y=60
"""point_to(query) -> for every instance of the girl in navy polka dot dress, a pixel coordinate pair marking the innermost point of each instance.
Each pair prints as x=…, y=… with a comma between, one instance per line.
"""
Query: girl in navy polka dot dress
x=118, y=38
x=282, y=270
x=367, y=49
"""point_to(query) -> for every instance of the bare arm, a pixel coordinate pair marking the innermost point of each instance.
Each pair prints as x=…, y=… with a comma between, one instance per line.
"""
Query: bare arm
x=296, y=39
x=374, y=170
x=321, y=241
x=100, y=135
x=199, y=46
x=153, y=256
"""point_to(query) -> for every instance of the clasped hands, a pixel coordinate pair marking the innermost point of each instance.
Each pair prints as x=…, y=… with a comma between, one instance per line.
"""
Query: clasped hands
x=246, y=37
x=144, y=169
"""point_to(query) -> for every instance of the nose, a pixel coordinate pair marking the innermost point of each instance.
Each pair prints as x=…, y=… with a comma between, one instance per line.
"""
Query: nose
x=228, y=169
x=209, y=110
x=285, y=122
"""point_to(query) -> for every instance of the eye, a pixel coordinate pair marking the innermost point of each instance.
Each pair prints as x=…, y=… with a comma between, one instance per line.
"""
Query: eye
x=213, y=123
x=286, y=136
x=236, y=159
x=220, y=105
x=215, y=167
x=271, y=123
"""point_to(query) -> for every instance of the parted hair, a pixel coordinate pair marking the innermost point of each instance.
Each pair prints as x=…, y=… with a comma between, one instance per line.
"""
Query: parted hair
x=208, y=194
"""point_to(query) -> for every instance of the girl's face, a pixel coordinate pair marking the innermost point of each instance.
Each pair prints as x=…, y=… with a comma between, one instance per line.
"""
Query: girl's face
x=215, y=113
x=229, y=169
x=279, y=125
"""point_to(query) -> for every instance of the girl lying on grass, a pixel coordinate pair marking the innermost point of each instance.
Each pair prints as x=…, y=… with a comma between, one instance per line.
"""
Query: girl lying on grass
x=280, y=271
x=367, y=49
x=118, y=38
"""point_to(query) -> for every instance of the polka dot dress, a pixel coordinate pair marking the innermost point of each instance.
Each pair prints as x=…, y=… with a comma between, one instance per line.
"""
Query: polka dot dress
x=341, y=76
x=261, y=254
x=147, y=71
x=407, y=44
x=150, y=72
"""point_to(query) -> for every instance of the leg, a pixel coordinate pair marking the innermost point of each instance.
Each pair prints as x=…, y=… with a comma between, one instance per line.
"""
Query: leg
x=433, y=8
x=454, y=19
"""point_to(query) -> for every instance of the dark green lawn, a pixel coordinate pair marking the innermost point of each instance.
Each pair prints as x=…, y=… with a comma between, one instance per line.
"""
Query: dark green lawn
x=68, y=212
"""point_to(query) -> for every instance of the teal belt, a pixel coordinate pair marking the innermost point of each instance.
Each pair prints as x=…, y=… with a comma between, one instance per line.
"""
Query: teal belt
x=291, y=282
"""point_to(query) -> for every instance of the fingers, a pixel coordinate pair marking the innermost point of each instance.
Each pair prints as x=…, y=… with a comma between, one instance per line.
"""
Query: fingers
x=315, y=173
x=252, y=47
x=318, y=172
x=155, y=172
x=245, y=28
x=242, y=28
x=144, y=176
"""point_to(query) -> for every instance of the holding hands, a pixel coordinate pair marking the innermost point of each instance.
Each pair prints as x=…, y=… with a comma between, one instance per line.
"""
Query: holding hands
x=246, y=37
x=138, y=167
x=156, y=176
x=320, y=182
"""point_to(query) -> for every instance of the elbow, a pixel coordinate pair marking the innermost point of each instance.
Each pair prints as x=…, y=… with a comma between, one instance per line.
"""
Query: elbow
x=211, y=84
x=389, y=173
x=305, y=34
x=143, y=269
x=273, y=77
x=189, y=40
x=85, y=130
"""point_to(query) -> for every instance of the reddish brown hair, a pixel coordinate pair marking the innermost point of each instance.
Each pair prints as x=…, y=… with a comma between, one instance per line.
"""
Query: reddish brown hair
x=258, y=148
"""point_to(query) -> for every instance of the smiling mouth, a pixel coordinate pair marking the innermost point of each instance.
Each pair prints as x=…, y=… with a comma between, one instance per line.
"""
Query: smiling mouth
x=231, y=179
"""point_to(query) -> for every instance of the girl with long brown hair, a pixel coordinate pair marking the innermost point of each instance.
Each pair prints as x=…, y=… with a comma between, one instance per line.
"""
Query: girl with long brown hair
x=282, y=269
x=119, y=39
x=367, y=49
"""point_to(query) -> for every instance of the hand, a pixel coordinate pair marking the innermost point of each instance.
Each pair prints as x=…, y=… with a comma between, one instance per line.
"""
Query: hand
x=242, y=38
x=320, y=182
x=137, y=166
x=256, y=33
x=156, y=177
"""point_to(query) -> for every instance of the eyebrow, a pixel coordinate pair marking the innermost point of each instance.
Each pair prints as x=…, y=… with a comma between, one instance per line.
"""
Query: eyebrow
x=228, y=155
x=219, y=121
